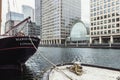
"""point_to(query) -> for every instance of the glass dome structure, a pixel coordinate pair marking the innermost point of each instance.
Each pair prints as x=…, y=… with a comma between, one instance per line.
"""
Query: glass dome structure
x=78, y=32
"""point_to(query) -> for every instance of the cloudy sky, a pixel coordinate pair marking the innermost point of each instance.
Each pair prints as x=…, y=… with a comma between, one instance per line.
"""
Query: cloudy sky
x=85, y=10
x=15, y=5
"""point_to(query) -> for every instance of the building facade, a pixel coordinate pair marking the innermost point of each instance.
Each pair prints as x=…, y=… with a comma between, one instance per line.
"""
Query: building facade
x=57, y=19
x=28, y=11
x=79, y=33
x=30, y=29
x=14, y=16
x=38, y=14
x=105, y=21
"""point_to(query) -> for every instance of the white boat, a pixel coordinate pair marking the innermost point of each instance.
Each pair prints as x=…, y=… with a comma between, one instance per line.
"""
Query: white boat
x=77, y=71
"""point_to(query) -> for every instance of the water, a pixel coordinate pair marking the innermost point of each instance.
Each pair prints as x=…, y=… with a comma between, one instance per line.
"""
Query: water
x=36, y=64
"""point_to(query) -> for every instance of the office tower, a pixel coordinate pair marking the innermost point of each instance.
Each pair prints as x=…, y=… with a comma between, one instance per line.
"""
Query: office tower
x=28, y=11
x=57, y=18
x=14, y=16
x=105, y=21
x=38, y=17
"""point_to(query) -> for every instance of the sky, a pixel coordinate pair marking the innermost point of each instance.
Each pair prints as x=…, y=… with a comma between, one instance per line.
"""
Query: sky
x=15, y=5
x=85, y=6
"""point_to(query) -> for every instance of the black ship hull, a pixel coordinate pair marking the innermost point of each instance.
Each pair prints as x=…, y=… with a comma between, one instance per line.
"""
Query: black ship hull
x=17, y=50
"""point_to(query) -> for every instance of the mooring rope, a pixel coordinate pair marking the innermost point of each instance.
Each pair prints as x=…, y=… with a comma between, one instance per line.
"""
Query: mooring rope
x=49, y=60
x=41, y=54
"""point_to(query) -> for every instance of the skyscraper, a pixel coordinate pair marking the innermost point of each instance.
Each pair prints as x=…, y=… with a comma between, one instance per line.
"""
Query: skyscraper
x=38, y=14
x=28, y=11
x=57, y=18
x=14, y=16
x=105, y=21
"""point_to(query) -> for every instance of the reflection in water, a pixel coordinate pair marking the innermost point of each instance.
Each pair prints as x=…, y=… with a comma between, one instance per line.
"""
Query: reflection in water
x=37, y=65
x=103, y=57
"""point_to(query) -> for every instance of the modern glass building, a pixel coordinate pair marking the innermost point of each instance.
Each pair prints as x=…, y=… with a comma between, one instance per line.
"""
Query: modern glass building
x=79, y=33
x=38, y=12
x=57, y=19
x=105, y=21
x=38, y=16
x=14, y=16
x=28, y=11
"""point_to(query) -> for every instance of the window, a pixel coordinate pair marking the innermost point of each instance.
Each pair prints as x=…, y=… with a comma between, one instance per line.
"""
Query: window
x=101, y=22
x=101, y=17
x=109, y=26
x=94, y=14
x=94, y=28
x=117, y=25
x=105, y=21
x=94, y=23
x=105, y=26
x=101, y=32
x=113, y=9
x=91, y=24
x=105, y=32
x=98, y=18
x=117, y=14
x=94, y=33
x=98, y=33
x=105, y=16
x=108, y=15
x=117, y=2
x=101, y=12
x=101, y=27
x=117, y=30
x=108, y=4
x=97, y=27
x=94, y=19
x=117, y=8
x=113, y=3
x=105, y=11
x=109, y=31
x=113, y=31
x=113, y=14
x=108, y=10
x=105, y=6
x=98, y=13
x=113, y=20
x=113, y=25
x=91, y=33
x=98, y=23
x=109, y=20
x=117, y=19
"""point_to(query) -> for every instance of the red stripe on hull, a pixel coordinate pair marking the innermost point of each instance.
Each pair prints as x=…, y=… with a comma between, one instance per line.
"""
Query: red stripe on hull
x=15, y=48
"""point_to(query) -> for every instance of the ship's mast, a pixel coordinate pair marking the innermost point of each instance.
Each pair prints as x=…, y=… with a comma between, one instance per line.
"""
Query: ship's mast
x=0, y=14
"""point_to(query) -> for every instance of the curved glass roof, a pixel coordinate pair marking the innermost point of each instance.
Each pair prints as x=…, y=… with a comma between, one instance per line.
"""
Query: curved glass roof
x=78, y=32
